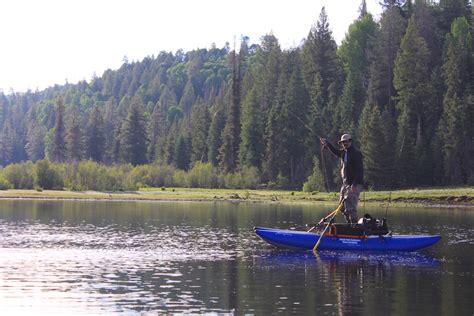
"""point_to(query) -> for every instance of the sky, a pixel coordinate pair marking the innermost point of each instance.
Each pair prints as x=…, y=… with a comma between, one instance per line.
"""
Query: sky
x=52, y=42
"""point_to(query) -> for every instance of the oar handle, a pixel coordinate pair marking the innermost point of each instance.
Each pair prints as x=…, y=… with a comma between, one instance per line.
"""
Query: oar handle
x=341, y=204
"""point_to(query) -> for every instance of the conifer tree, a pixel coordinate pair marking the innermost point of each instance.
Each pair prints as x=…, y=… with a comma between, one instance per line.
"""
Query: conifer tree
x=412, y=81
x=35, y=141
x=214, y=139
x=200, y=122
x=354, y=52
x=456, y=131
x=133, y=142
x=252, y=145
x=157, y=133
x=181, y=155
x=74, y=140
x=94, y=136
x=322, y=74
x=377, y=145
x=228, y=153
x=381, y=90
x=188, y=98
x=59, y=150
x=294, y=108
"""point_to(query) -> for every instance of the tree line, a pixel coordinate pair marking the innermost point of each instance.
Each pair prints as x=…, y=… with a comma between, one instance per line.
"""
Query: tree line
x=401, y=85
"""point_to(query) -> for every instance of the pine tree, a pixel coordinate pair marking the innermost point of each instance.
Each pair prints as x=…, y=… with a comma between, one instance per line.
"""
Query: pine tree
x=214, y=140
x=188, y=98
x=228, y=152
x=181, y=156
x=456, y=124
x=381, y=90
x=59, y=149
x=412, y=81
x=354, y=52
x=133, y=142
x=74, y=140
x=200, y=122
x=323, y=74
x=252, y=145
x=294, y=108
x=6, y=143
x=377, y=145
x=94, y=136
x=157, y=132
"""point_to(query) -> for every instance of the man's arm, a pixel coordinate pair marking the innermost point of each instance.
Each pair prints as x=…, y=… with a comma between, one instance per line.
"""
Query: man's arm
x=334, y=150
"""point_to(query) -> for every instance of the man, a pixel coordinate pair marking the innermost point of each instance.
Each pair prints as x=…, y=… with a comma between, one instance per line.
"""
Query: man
x=352, y=172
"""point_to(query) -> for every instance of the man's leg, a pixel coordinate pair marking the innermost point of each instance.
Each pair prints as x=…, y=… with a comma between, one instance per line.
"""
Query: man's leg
x=351, y=202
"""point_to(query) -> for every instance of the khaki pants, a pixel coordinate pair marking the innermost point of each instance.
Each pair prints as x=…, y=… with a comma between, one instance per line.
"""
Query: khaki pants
x=351, y=199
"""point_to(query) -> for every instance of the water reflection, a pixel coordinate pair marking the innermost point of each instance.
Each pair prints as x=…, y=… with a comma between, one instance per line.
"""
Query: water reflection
x=102, y=258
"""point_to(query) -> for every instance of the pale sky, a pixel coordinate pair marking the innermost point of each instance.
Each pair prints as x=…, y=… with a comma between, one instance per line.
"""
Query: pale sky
x=46, y=42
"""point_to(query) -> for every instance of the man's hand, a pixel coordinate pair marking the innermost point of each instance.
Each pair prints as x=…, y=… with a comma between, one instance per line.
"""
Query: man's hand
x=323, y=142
x=353, y=188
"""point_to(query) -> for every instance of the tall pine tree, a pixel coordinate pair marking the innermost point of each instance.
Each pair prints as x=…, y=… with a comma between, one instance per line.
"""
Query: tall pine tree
x=133, y=142
x=59, y=149
x=456, y=131
x=412, y=81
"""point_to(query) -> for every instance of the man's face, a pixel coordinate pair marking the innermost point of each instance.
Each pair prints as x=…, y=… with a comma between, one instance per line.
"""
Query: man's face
x=346, y=144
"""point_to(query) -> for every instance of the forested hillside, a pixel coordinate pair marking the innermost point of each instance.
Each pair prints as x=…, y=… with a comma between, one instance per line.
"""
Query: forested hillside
x=402, y=85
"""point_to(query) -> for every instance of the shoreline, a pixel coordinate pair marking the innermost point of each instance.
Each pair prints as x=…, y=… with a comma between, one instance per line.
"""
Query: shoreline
x=435, y=198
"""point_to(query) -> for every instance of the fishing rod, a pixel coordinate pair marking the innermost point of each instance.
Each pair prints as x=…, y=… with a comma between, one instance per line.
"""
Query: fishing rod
x=323, y=162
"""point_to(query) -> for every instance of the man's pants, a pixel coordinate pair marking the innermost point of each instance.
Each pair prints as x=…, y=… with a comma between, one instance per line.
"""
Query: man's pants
x=351, y=199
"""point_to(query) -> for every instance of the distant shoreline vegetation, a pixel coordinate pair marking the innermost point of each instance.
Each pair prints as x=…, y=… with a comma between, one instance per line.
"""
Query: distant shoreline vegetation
x=90, y=175
x=251, y=115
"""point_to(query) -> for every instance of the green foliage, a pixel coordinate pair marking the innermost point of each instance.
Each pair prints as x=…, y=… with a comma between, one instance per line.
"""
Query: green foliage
x=202, y=175
x=4, y=184
x=412, y=81
x=377, y=139
x=48, y=176
x=315, y=181
x=134, y=138
x=247, y=178
x=455, y=129
x=20, y=176
x=58, y=145
x=184, y=109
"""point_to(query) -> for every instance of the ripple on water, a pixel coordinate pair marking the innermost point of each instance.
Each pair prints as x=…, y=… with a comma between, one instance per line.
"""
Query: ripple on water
x=110, y=269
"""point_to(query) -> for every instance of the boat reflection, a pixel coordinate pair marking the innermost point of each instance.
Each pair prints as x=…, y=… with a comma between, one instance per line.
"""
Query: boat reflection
x=341, y=258
x=350, y=283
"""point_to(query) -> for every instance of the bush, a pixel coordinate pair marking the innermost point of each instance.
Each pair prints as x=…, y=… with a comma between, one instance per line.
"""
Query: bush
x=315, y=181
x=247, y=178
x=202, y=176
x=180, y=179
x=20, y=176
x=4, y=184
x=48, y=176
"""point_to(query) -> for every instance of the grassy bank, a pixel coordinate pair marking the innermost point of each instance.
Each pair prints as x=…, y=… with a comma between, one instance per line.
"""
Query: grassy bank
x=415, y=197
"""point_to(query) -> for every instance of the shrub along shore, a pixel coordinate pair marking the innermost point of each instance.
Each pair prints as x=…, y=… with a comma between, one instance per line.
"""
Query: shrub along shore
x=88, y=180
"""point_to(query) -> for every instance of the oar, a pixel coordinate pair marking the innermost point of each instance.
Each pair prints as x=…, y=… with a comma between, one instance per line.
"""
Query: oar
x=341, y=204
x=313, y=226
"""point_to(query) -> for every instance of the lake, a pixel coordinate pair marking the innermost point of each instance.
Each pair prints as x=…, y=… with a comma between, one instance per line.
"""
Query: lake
x=89, y=257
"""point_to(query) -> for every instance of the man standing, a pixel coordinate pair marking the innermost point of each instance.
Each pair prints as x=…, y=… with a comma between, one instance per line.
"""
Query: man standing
x=352, y=172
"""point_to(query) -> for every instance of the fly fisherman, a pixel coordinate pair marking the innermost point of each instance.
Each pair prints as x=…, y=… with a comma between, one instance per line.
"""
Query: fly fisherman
x=352, y=172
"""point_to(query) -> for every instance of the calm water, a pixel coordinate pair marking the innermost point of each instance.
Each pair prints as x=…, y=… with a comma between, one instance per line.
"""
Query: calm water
x=67, y=257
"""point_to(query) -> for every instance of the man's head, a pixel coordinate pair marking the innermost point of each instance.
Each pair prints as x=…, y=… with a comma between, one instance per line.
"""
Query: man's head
x=346, y=141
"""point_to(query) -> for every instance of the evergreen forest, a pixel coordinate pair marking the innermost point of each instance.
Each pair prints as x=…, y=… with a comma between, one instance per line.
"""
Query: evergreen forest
x=250, y=115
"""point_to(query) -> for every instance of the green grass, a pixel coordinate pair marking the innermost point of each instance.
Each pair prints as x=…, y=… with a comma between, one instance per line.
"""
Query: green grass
x=432, y=196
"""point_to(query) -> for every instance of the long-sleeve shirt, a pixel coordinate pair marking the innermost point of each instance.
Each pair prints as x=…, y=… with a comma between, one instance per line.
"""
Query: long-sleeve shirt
x=352, y=168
